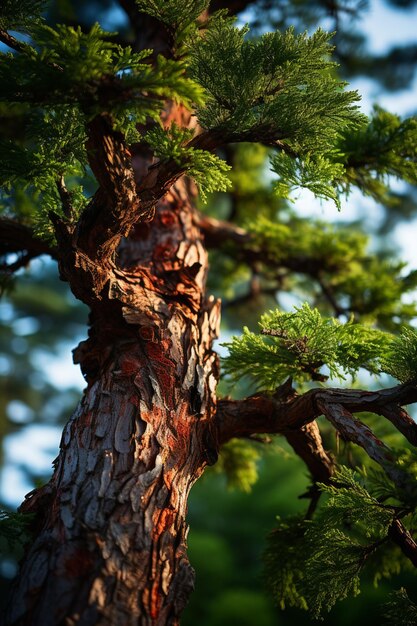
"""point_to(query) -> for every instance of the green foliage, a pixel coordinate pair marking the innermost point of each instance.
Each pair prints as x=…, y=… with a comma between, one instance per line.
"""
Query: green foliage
x=385, y=146
x=400, y=610
x=316, y=173
x=208, y=170
x=365, y=157
x=21, y=15
x=178, y=15
x=64, y=59
x=37, y=166
x=60, y=152
x=369, y=287
x=351, y=503
x=299, y=345
x=280, y=86
x=284, y=563
x=313, y=564
x=401, y=360
x=239, y=462
x=66, y=76
x=333, y=249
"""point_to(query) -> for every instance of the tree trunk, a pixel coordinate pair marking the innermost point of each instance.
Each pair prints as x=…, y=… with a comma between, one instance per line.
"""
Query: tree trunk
x=110, y=541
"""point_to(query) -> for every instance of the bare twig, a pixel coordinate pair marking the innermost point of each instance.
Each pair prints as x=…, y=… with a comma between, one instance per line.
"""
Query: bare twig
x=21, y=46
x=12, y=42
x=402, y=537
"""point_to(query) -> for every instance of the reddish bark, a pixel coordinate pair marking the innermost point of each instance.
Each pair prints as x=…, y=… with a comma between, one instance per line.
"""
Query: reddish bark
x=111, y=542
x=110, y=532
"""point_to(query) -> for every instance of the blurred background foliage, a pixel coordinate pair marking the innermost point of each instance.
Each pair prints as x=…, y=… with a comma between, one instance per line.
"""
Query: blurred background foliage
x=41, y=322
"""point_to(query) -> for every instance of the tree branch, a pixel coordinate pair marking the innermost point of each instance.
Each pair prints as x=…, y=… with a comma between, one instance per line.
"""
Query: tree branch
x=308, y=445
x=12, y=42
x=266, y=414
x=286, y=412
x=352, y=429
x=21, y=46
x=19, y=239
x=402, y=537
x=217, y=232
x=116, y=205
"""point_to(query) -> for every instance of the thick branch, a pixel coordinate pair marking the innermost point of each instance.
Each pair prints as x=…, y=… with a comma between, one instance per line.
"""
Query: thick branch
x=116, y=206
x=217, y=232
x=352, y=429
x=286, y=412
x=18, y=238
x=267, y=414
x=119, y=202
x=308, y=445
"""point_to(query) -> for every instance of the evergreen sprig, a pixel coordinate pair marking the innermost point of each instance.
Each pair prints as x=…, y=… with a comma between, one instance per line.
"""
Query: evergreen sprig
x=54, y=149
x=14, y=527
x=314, y=564
x=21, y=15
x=400, y=610
x=299, y=345
x=207, y=169
x=331, y=247
x=317, y=173
x=351, y=503
x=384, y=146
x=360, y=283
x=401, y=360
x=64, y=59
x=280, y=86
x=179, y=16
x=284, y=563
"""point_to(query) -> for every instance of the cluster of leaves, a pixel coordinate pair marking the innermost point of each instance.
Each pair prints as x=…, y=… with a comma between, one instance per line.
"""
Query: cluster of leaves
x=363, y=284
x=300, y=344
x=313, y=564
x=179, y=16
x=317, y=173
x=208, y=170
x=36, y=167
x=20, y=16
x=280, y=89
x=366, y=157
x=55, y=84
x=384, y=147
x=400, y=610
x=280, y=86
x=62, y=59
x=401, y=359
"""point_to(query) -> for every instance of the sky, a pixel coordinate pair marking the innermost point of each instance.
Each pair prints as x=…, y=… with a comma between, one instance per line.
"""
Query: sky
x=385, y=27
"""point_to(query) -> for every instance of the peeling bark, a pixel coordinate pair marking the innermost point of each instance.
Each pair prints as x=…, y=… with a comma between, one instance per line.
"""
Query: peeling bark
x=111, y=530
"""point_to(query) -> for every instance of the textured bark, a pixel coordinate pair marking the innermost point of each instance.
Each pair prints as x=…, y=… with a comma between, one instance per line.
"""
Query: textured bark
x=111, y=531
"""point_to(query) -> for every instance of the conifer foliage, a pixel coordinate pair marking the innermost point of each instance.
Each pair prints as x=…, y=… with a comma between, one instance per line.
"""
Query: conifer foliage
x=101, y=138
